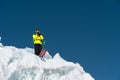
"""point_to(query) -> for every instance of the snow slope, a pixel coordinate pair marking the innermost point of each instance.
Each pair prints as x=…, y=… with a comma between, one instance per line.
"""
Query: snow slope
x=22, y=64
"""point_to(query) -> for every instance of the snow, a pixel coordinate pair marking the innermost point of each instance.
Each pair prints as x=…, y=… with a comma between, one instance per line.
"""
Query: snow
x=22, y=64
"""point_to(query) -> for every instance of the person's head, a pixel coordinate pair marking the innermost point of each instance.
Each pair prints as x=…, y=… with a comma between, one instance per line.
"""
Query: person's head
x=37, y=31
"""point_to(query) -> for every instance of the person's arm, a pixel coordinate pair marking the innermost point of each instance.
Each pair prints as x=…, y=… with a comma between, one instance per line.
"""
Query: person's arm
x=43, y=40
x=42, y=37
x=33, y=37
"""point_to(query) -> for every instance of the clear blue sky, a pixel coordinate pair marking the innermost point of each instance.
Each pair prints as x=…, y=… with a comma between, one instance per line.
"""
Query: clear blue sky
x=83, y=31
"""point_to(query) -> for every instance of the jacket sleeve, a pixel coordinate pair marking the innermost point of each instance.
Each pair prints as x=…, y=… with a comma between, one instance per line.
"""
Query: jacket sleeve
x=42, y=37
x=33, y=37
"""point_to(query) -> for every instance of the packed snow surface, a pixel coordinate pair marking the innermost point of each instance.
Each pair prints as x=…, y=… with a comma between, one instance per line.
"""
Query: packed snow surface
x=22, y=64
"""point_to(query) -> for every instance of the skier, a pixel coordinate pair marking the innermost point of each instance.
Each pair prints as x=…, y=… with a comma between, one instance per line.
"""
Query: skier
x=37, y=39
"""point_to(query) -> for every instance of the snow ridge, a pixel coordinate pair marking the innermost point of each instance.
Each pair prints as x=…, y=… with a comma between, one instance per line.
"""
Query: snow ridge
x=22, y=64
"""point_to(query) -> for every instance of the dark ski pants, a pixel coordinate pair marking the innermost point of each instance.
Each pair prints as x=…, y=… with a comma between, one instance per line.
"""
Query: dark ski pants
x=38, y=48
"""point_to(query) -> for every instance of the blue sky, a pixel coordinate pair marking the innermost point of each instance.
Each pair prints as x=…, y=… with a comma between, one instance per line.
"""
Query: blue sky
x=82, y=31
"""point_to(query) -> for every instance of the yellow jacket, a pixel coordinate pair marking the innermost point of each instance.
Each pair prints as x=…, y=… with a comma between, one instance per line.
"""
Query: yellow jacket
x=37, y=39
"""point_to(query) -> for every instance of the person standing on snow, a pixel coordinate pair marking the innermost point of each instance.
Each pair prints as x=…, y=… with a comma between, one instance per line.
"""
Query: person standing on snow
x=37, y=39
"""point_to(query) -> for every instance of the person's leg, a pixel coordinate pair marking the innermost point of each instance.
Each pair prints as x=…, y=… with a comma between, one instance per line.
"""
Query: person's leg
x=36, y=46
x=40, y=48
